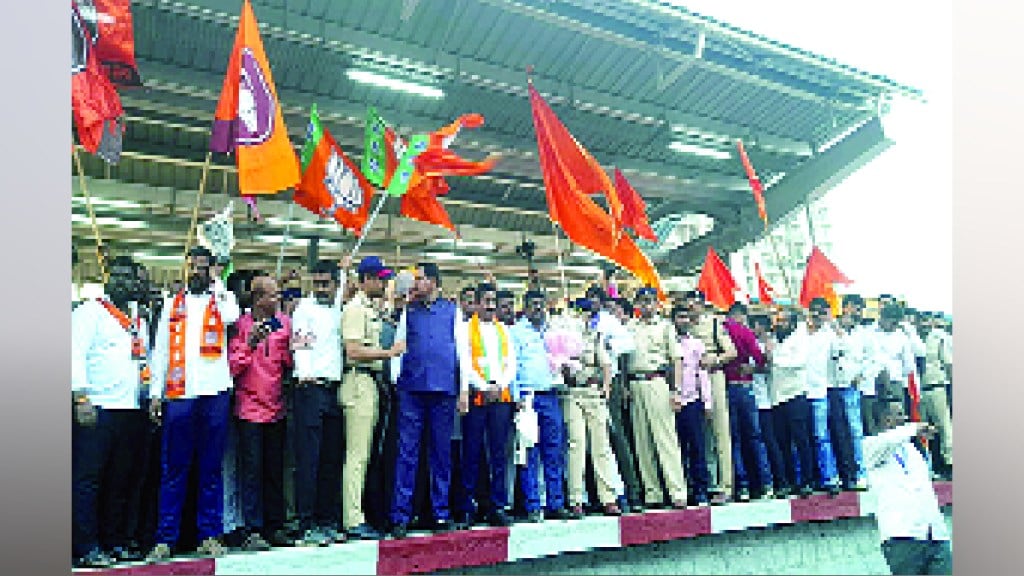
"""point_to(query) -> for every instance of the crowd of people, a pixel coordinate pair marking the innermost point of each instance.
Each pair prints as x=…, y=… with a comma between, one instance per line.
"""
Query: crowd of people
x=246, y=414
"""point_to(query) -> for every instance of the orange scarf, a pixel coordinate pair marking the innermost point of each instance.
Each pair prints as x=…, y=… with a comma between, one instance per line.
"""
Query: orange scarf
x=211, y=345
x=138, y=342
x=476, y=347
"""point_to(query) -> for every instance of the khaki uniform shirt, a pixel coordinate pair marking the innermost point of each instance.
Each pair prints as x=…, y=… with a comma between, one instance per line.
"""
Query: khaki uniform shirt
x=718, y=345
x=362, y=323
x=594, y=357
x=657, y=346
x=938, y=354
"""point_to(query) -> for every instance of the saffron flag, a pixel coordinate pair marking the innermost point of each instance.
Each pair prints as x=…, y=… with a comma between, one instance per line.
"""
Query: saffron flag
x=248, y=120
x=819, y=277
x=422, y=204
x=716, y=281
x=110, y=25
x=332, y=184
x=764, y=290
x=634, y=210
x=438, y=160
x=755, y=183
x=570, y=173
x=95, y=104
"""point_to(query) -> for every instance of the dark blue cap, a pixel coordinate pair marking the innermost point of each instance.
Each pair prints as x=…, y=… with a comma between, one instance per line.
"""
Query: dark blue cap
x=373, y=265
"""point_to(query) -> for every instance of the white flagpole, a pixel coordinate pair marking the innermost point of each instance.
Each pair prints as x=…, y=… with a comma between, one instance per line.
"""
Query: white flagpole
x=369, y=223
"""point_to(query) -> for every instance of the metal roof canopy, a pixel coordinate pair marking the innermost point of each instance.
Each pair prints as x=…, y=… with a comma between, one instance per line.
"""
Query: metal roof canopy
x=627, y=77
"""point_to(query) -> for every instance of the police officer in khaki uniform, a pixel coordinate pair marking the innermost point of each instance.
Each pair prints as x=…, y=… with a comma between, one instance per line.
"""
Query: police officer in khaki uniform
x=586, y=415
x=361, y=325
x=657, y=356
x=720, y=350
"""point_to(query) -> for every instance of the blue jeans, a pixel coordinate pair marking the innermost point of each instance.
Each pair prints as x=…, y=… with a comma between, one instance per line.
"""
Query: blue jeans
x=690, y=429
x=549, y=449
x=851, y=398
x=819, y=427
x=414, y=408
x=745, y=429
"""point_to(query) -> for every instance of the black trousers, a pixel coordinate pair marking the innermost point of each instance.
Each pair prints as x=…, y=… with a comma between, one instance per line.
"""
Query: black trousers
x=380, y=471
x=793, y=428
x=105, y=484
x=777, y=461
x=261, y=472
x=909, y=556
x=149, y=498
x=841, y=436
x=319, y=455
x=621, y=435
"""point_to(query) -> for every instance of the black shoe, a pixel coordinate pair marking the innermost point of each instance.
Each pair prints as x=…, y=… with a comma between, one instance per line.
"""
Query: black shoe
x=442, y=526
x=363, y=532
x=463, y=521
x=636, y=506
x=129, y=553
x=806, y=491
x=400, y=531
x=701, y=499
x=782, y=493
x=560, y=514
x=499, y=518
x=535, y=517
x=742, y=495
x=280, y=539
x=313, y=537
x=96, y=558
x=576, y=512
x=833, y=490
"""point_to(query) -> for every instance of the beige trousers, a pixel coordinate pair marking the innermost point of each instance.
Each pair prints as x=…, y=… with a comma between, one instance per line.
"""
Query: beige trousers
x=586, y=415
x=358, y=398
x=935, y=411
x=720, y=434
x=654, y=430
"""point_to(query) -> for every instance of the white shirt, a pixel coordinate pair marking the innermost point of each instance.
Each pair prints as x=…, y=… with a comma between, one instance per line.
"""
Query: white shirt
x=101, y=358
x=899, y=478
x=789, y=366
x=916, y=343
x=819, y=361
x=848, y=349
x=203, y=377
x=939, y=354
x=502, y=370
x=760, y=385
x=865, y=342
x=317, y=328
x=893, y=353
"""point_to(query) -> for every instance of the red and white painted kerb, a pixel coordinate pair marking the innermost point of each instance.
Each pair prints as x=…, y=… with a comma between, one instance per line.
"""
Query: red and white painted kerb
x=482, y=546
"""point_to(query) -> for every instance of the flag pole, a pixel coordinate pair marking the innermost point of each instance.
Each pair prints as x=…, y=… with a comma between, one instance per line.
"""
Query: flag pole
x=561, y=267
x=195, y=211
x=92, y=215
x=369, y=223
x=284, y=239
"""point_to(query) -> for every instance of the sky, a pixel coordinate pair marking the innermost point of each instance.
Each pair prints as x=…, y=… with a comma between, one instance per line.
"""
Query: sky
x=892, y=220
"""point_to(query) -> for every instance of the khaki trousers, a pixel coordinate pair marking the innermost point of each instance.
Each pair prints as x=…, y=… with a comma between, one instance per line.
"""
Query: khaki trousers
x=935, y=411
x=720, y=439
x=358, y=398
x=586, y=414
x=654, y=427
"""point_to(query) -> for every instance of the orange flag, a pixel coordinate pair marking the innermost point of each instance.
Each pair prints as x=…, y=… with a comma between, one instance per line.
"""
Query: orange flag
x=248, y=120
x=634, y=210
x=755, y=183
x=570, y=174
x=421, y=203
x=716, y=281
x=764, y=290
x=819, y=277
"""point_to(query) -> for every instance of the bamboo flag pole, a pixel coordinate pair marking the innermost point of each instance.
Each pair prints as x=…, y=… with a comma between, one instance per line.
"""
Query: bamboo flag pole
x=561, y=267
x=284, y=239
x=195, y=212
x=92, y=214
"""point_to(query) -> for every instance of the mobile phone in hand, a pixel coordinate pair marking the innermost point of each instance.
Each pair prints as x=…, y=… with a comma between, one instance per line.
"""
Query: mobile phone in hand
x=272, y=324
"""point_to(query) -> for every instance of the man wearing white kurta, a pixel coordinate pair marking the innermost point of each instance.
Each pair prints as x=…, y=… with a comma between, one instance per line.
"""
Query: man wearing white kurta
x=190, y=395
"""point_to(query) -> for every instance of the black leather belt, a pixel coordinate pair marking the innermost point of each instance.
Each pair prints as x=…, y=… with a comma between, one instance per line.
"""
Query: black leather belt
x=643, y=376
x=371, y=372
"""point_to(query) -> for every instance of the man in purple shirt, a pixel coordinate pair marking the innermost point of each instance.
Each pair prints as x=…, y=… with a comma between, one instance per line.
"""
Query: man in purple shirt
x=259, y=353
x=743, y=419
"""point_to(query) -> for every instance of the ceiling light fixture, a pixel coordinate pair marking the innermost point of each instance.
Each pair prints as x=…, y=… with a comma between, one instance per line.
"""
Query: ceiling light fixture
x=108, y=221
x=381, y=81
x=695, y=150
x=128, y=204
x=465, y=243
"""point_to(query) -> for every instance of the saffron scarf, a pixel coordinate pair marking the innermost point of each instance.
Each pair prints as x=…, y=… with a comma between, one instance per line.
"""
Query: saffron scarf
x=138, y=343
x=476, y=348
x=211, y=345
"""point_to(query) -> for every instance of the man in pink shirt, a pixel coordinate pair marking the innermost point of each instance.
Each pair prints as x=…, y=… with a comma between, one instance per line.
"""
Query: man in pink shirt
x=259, y=354
x=694, y=404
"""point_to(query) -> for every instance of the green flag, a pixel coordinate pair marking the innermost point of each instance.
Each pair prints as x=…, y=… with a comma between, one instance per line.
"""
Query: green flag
x=375, y=148
x=403, y=173
x=314, y=132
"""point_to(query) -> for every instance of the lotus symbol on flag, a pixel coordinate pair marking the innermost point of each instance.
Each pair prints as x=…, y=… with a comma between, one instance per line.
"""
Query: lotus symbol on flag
x=255, y=103
x=341, y=183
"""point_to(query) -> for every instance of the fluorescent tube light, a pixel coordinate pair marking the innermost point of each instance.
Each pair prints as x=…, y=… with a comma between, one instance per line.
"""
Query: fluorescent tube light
x=109, y=221
x=465, y=244
x=379, y=80
x=699, y=151
x=128, y=204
